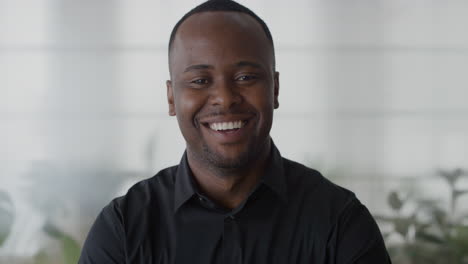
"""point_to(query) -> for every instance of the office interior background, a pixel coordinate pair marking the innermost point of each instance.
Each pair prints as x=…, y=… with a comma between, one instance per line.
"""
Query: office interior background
x=373, y=93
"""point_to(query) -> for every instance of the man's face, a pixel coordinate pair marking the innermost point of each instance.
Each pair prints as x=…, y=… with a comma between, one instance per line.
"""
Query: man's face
x=223, y=87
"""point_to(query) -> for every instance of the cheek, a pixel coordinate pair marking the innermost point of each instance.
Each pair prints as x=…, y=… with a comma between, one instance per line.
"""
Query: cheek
x=262, y=99
x=187, y=105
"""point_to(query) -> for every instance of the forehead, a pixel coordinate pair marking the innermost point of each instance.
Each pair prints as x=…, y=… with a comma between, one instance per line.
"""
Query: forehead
x=220, y=37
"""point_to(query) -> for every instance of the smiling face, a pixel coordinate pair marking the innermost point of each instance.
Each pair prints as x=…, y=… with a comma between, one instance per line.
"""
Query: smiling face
x=223, y=88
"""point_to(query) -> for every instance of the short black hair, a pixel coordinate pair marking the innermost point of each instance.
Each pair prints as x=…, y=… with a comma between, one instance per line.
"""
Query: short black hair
x=222, y=5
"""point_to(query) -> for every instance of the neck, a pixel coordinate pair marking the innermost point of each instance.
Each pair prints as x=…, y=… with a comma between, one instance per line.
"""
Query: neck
x=229, y=187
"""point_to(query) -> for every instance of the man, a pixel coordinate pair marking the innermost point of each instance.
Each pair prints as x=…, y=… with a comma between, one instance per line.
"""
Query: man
x=232, y=198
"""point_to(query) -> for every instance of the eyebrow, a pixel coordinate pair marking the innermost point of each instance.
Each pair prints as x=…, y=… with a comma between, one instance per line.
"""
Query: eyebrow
x=248, y=63
x=206, y=66
x=198, y=67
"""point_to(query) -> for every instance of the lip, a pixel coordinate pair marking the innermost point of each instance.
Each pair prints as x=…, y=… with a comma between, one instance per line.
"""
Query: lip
x=227, y=137
x=224, y=118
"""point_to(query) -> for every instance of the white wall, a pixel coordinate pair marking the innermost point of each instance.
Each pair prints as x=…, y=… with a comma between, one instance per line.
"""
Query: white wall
x=373, y=93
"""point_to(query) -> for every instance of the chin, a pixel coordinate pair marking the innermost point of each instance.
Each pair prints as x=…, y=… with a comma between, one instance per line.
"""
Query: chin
x=225, y=161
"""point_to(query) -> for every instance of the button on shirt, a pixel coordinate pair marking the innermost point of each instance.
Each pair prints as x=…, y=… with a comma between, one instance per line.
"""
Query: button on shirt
x=294, y=215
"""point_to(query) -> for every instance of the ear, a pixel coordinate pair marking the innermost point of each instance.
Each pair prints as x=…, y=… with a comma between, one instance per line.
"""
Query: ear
x=276, y=92
x=170, y=98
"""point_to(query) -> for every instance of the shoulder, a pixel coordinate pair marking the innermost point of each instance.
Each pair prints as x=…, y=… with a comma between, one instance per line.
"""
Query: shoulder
x=316, y=193
x=337, y=215
x=311, y=181
x=125, y=220
x=150, y=192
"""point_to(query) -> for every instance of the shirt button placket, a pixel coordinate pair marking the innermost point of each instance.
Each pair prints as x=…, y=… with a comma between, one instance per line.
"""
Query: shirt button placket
x=232, y=241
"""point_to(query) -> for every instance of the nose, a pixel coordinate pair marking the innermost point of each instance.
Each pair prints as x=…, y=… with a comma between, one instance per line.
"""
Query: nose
x=225, y=95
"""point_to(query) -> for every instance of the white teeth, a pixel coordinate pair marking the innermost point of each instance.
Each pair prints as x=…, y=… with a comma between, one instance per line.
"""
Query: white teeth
x=226, y=125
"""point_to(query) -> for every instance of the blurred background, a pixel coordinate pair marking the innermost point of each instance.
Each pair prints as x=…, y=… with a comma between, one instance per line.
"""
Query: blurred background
x=373, y=94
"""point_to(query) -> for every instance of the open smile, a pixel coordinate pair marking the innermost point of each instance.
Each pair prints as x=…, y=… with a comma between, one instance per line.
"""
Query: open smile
x=226, y=126
x=227, y=130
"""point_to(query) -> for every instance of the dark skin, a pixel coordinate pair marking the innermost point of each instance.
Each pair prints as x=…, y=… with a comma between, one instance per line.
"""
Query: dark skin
x=222, y=71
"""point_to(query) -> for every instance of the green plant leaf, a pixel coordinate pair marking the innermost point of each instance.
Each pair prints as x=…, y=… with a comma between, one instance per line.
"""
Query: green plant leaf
x=439, y=236
x=70, y=247
x=385, y=218
x=428, y=237
x=402, y=226
x=440, y=217
x=452, y=176
x=6, y=216
x=458, y=193
x=394, y=201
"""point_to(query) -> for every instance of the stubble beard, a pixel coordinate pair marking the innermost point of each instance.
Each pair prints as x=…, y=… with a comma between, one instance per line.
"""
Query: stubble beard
x=217, y=162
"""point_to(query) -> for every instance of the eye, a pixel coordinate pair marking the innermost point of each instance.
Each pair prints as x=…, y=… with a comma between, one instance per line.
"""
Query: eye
x=200, y=81
x=246, y=78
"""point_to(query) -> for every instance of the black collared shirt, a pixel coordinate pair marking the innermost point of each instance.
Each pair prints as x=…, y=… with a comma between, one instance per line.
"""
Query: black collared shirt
x=294, y=215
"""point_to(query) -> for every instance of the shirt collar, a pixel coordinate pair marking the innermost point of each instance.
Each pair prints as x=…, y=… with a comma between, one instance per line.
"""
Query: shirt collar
x=274, y=178
x=184, y=187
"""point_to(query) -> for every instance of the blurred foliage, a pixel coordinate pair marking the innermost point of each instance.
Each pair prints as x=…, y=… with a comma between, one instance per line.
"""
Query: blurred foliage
x=42, y=258
x=6, y=216
x=70, y=247
x=430, y=233
x=61, y=248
